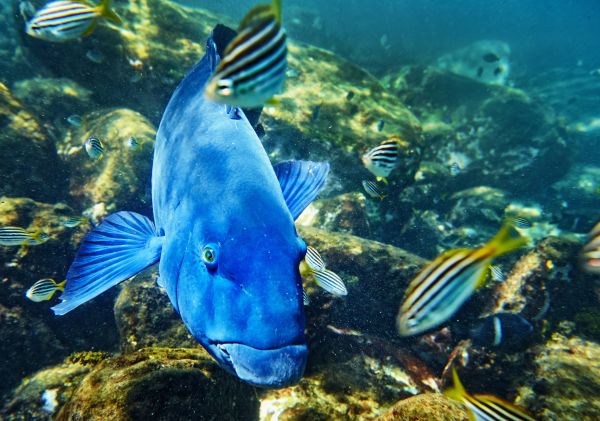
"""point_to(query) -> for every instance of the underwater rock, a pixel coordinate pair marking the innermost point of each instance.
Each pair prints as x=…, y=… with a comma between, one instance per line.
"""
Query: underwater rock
x=42, y=394
x=498, y=136
x=345, y=213
x=30, y=165
x=120, y=179
x=54, y=99
x=566, y=383
x=145, y=317
x=426, y=407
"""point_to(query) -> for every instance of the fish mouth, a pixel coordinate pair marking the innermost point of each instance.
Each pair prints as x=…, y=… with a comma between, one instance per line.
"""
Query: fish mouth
x=269, y=368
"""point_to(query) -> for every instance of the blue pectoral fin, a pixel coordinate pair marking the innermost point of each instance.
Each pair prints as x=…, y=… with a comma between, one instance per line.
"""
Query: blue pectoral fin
x=301, y=182
x=122, y=246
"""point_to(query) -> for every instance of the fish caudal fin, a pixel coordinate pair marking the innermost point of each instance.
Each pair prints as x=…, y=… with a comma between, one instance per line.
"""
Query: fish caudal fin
x=106, y=12
x=301, y=182
x=507, y=240
x=457, y=391
x=122, y=246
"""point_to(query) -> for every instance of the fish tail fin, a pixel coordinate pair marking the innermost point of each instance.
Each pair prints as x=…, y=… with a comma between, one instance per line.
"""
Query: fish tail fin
x=506, y=240
x=61, y=285
x=457, y=391
x=107, y=13
x=123, y=245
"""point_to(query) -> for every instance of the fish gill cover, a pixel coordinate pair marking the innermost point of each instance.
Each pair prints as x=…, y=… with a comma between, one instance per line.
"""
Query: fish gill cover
x=471, y=116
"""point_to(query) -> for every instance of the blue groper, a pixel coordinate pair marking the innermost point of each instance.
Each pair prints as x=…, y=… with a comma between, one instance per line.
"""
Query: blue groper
x=223, y=232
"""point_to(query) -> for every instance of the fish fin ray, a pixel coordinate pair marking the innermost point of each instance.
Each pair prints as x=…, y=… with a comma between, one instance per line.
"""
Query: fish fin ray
x=108, y=13
x=301, y=182
x=457, y=391
x=88, y=277
x=506, y=240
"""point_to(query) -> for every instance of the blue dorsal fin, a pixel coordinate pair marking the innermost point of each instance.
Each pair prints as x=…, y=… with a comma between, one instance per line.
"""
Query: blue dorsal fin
x=123, y=245
x=211, y=52
x=301, y=182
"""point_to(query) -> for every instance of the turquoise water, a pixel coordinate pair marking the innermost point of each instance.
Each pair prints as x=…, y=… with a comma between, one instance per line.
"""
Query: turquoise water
x=492, y=110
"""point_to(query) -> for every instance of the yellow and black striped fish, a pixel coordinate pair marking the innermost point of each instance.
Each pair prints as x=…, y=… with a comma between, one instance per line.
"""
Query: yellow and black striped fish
x=94, y=148
x=590, y=254
x=382, y=159
x=44, y=289
x=60, y=21
x=443, y=286
x=17, y=236
x=485, y=407
x=374, y=189
x=252, y=69
x=314, y=265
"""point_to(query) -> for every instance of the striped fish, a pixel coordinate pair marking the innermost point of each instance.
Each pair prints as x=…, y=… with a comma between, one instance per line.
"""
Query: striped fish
x=590, y=254
x=315, y=265
x=94, y=148
x=17, y=236
x=374, y=189
x=382, y=159
x=44, y=289
x=497, y=274
x=74, y=221
x=454, y=169
x=521, y=223
x=252, y=69
x=443, y=286
x=485, y=407
x=132, y=143
x=61, y=21
x=305, y=298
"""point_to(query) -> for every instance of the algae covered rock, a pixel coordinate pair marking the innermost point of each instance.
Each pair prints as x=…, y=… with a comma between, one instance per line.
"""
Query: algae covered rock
x=160, y=383
x=30, y=165
x=426, y=407
x=120, y=179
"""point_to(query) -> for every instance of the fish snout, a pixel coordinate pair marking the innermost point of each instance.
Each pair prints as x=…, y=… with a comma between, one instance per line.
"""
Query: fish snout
x=270, y=368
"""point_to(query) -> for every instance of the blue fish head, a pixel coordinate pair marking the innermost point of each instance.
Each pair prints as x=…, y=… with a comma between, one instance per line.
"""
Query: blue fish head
x=240, y=294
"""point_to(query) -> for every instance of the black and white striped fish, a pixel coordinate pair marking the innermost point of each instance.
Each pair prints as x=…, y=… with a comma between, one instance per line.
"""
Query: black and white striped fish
x=454, y=169
x=590, y=254
x=374, y=189
x=497, y=274
x=326, y=279
x=44, y=289
x=444, y=285
x=521, y=223
x=61, y=21
x=94, y=148
x=17, y=236
x=485, y=407
x=253, y=67
x=382, y=159
x=74, y=221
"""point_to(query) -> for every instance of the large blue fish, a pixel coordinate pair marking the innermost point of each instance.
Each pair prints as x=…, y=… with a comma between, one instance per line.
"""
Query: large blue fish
x=224, y=234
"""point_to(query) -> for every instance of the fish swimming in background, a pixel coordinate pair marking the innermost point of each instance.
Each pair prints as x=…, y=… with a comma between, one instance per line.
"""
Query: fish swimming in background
x=17, y=236
x=254, y=64
x=349, y=95
x=382, y=159
x=74, y=221
x=374, y=189
x=225, y=240
x=61, y=21
x=325, y=278
x=44, y=289
x=479, y=71
x=74, y=120
x=454, y=169
x=490, y=58
x=509, y=331
x=590, y=254
x=316, y=112
x=485, y=407
x=444, y=285
x=521, y=223
x=132, y=143
x=94, y=148
x=95, y=56
x=380, y=125
x=497, y=274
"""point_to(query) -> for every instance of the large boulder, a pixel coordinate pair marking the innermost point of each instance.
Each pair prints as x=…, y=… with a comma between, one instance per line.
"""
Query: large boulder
x=426, y=407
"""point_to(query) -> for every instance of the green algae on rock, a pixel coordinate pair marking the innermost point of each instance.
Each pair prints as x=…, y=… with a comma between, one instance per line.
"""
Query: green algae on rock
x=121, y=179
x=426, y=407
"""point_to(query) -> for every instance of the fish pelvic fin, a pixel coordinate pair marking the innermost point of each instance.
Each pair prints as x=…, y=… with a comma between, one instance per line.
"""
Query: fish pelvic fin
x=457, y=391
x=506, y=240
x=123, y=245
x=106, y=12
x=87, y=33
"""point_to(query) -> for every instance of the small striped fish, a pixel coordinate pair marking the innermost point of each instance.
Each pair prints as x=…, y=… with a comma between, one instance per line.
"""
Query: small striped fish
x=374, y=189
x=521, y=223
x=44, y=289
x=94, y=148
x=590, y=254
x=60, y=21
x=497, y=274
x=305, y=298
x=74, y=221
x=443, y=286
x=253, y=67
x=485, y=407
x=382, y=159
x=17, y=236
x=132, y=143
x=325, y=278
x=454, y=169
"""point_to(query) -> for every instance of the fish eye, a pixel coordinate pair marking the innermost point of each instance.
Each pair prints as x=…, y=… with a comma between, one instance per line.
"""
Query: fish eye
x=209, y=256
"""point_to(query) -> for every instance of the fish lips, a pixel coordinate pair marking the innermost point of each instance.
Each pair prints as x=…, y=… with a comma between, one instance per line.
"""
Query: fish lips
x=269, y=368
